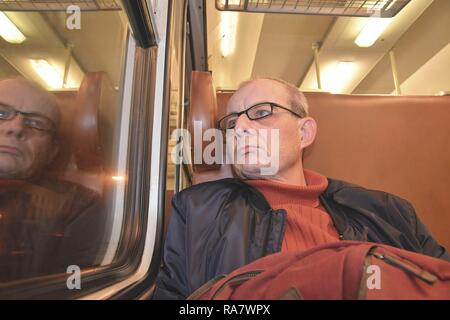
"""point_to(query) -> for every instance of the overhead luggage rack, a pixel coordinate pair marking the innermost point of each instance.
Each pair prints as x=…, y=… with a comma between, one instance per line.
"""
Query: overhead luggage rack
x=58, y=5
x=354, y=8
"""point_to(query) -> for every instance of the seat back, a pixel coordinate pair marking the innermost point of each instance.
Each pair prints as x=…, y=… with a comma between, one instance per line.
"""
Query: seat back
x=87, y=132
x=391, y=143
x=203, y=109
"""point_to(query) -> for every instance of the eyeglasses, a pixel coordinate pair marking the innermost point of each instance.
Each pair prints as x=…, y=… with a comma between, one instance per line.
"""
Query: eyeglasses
x=30, y=120
x=255, y=112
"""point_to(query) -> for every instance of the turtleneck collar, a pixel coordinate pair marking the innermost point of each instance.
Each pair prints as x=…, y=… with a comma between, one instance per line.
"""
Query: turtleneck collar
x=279, y=194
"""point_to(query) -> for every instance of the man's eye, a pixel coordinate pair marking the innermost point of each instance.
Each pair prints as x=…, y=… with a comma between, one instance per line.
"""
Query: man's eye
x=4, y=114
x=231, y=123
x=262, y=113
x=34, y=123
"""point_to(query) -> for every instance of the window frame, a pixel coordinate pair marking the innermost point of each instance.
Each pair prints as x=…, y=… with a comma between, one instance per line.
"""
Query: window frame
x=144, y=287
x=141, y=283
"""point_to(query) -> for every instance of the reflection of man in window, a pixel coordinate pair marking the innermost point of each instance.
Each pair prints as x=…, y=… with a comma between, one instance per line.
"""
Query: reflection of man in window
x=45, y=224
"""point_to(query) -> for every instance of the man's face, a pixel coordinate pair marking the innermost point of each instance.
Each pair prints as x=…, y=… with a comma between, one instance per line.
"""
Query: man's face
x=286, y=143
x=25, y=151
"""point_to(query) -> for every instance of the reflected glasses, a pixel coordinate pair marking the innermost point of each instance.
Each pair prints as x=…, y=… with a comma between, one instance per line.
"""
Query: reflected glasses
x=30, y=120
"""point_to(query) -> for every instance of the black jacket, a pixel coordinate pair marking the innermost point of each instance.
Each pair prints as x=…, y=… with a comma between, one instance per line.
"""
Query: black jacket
x=48, y=225
x=219, y=226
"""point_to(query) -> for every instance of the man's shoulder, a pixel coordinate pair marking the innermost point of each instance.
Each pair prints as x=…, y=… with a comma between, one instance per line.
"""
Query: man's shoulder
x=218, y=192
x=347, y=192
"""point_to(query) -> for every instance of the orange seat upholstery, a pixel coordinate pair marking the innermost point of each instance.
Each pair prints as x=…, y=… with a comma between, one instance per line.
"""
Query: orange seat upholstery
x=395, y=144
x=398, y=144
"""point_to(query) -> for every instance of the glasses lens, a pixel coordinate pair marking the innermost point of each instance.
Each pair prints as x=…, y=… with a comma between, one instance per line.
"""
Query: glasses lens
x=259, y=111
x=38, y=122
x=228, y=122
x=34, y=121
x=6, y=112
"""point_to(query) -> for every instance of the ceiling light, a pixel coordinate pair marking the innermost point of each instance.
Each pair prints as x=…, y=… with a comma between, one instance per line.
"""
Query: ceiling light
x=338, y=76
x=228, y=31
x=47, y=73
x=372, y=31
x=9, y=31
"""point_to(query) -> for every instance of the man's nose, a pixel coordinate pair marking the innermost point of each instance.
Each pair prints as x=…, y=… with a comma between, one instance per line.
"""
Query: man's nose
x=243, y=122
x=13, y=127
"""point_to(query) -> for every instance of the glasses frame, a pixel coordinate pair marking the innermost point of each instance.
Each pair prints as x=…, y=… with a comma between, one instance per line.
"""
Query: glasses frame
x=272, y=105
x=16, y=112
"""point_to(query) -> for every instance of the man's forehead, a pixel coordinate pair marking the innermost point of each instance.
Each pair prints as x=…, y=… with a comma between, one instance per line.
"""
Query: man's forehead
x=260, y=90
x=27, y=97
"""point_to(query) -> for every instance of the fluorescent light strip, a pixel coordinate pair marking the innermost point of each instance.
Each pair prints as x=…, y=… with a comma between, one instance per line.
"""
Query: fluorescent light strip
x=372, y=31
x=9, y=31
x=47, y=73
x=228, y=30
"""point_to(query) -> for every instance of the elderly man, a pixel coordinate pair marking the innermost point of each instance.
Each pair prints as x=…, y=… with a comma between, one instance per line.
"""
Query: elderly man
x=45, y=224
x=217, y=227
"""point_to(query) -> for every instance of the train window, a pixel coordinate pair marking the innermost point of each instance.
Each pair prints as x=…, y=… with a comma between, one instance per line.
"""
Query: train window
x=64, y=132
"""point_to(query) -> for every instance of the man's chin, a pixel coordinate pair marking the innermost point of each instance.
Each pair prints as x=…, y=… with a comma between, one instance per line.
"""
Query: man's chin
x=9, y=171
x=250, y=172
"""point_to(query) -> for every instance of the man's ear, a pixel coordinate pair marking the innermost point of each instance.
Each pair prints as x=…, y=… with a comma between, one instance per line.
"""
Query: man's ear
x=308, y=131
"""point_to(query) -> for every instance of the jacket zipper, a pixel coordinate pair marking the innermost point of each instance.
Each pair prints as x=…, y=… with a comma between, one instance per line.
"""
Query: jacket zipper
x=239, y=278
x=407, y=267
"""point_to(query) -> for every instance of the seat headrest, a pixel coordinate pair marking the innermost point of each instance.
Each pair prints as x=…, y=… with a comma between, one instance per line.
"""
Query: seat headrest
x=67, y=105
x=203, y=109
x=96, y=93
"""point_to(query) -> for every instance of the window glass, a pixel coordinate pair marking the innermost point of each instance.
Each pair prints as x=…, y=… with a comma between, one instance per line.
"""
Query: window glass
x=62, y=167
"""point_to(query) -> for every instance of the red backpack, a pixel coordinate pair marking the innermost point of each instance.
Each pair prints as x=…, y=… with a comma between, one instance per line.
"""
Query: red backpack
x=342, y=270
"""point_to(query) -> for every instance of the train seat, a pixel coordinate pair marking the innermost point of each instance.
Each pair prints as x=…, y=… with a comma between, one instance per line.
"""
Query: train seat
x=86, y=132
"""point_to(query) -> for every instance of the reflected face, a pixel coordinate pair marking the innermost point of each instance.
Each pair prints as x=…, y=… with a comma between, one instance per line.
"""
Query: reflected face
x=25, y=150
x=285, y=139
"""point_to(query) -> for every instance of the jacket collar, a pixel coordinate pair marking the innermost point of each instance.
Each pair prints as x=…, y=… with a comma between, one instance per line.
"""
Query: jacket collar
x=336, y=190
x=333, y=198
x=255, y=198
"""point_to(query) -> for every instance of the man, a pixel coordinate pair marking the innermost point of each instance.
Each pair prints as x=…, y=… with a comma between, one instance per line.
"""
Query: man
x=217, y=227
x=45, y=224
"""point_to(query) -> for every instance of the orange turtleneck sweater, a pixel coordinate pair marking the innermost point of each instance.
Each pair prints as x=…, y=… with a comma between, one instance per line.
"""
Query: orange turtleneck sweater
x=307, y=224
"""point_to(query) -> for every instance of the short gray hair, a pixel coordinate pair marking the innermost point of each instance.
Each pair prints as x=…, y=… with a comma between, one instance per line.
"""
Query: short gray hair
x=298, y=102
